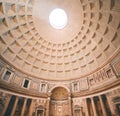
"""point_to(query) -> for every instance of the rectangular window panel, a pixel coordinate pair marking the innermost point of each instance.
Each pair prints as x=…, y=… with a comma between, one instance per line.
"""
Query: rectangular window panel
x=42, y=87
x=75, y=87
x=7, y=75
x=26, y=82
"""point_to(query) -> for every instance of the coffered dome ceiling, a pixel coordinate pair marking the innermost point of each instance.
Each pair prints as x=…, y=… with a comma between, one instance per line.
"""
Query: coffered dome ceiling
x=30, y=44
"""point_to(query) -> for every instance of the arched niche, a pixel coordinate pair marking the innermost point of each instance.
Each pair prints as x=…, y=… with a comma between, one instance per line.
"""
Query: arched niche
x=59, y=93
x=58, y=85
x=59, y=102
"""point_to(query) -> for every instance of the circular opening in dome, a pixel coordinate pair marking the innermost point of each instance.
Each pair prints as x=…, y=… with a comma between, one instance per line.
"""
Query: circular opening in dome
x=58, y=18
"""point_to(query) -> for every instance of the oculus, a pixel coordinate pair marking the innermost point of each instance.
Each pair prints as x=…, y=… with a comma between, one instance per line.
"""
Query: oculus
x=58, y=18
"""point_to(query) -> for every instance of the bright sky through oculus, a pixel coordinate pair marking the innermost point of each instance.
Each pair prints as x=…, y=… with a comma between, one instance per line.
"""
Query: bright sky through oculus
x=58, y=18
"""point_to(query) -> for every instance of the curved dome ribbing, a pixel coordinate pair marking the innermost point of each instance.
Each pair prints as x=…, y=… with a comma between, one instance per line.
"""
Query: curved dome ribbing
x=29, y=43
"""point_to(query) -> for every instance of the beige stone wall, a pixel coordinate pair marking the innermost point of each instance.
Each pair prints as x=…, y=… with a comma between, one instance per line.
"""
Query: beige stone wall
x=107, y=76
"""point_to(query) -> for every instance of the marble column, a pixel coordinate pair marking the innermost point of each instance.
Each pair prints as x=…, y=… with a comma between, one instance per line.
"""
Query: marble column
x=24, y=106
x=70, y=105
x=31, y=108
x=110, y=105
x=43, y=114
x=81, y=111
x=102, y=106
x=48, y=106
x=86, y=108
x=74, y=112
x=14, y=106
x=93, y=106
x=6, y=105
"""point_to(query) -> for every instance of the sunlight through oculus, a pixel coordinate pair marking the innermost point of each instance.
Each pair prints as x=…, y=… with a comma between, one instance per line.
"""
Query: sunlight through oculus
x=58, y=18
